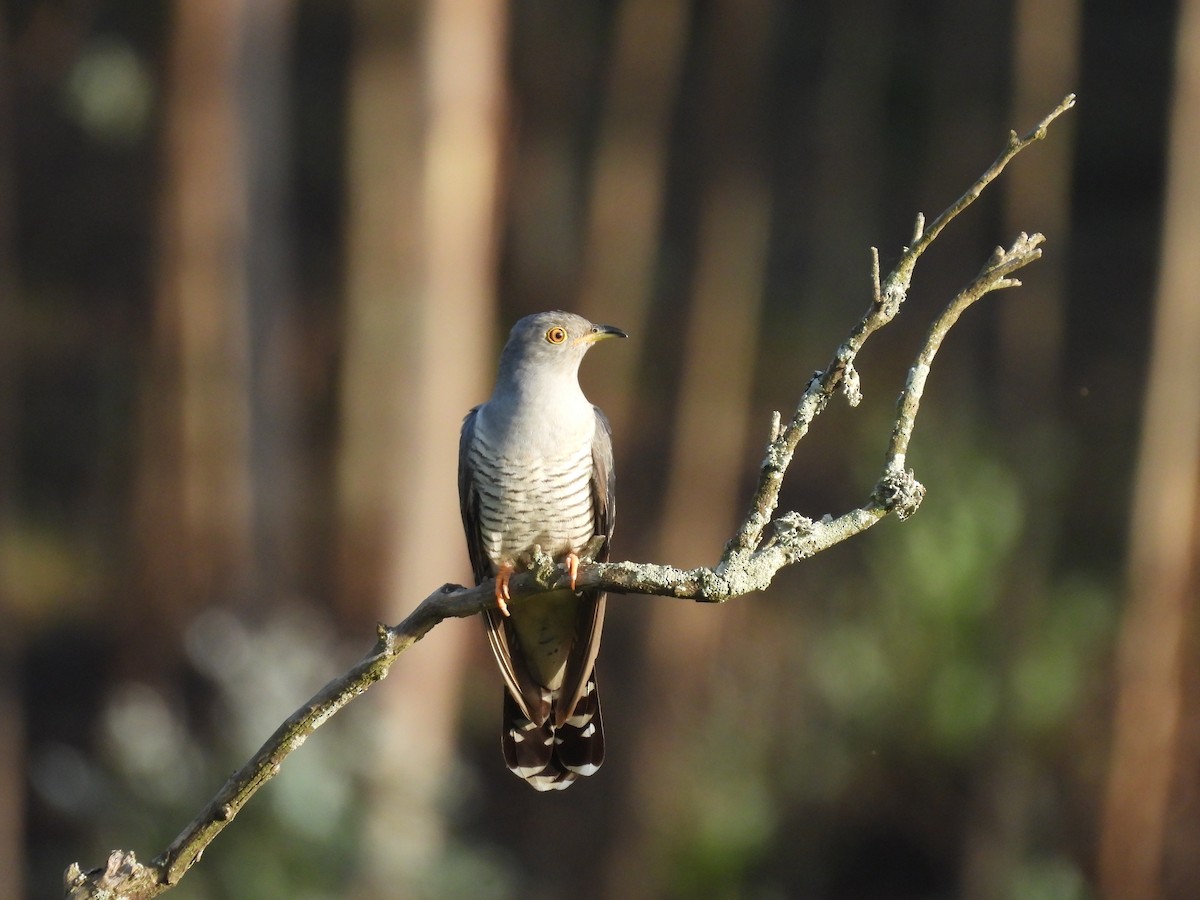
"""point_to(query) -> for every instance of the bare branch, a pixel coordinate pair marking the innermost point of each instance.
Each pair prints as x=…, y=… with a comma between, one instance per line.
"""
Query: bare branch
x=764, y=544
x=1014, y=146
x=992, y=277
x=885, y=305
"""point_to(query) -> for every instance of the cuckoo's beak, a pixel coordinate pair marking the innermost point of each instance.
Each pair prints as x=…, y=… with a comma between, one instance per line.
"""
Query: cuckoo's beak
x=602, y=333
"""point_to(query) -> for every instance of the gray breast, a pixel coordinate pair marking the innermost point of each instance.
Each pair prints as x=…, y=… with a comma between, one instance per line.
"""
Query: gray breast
x=531, y=497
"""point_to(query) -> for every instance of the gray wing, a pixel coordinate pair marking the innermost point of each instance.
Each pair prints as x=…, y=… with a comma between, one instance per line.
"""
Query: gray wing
x=468, y=501
x=582, y=659
x=604, y=483
x=519, y=683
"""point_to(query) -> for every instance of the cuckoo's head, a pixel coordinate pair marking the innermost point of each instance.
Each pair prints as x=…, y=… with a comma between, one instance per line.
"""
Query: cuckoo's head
x=551, y=343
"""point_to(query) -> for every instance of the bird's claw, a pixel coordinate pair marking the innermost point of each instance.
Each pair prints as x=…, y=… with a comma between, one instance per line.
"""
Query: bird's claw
x=572, y=564
x=502, y=596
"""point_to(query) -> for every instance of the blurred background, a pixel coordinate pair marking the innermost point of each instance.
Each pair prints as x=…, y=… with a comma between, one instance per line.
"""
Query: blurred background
x=257, y=259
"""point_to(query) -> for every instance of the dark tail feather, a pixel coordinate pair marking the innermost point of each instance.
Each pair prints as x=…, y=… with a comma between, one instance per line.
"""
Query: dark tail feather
x=551, y=758
x=580, y=738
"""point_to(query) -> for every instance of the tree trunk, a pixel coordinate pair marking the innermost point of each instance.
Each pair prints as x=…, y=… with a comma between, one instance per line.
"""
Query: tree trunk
x=12, y=714
x=709, y=437
x=1150, y=830
x=276, y=458
x=1047, y=40
x=194, y=505
x=427, y=103
x=625, y=202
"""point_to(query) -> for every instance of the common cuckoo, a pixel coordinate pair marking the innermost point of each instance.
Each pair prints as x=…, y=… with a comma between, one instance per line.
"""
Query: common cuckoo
x=535, y=468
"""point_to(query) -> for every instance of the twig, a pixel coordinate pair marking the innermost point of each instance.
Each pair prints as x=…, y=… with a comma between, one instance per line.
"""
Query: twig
x=885, y=304
x=764, y=544
x=992, y=277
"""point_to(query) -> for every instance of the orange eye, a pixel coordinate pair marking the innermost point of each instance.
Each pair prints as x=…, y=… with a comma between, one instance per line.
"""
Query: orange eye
x=556, y=335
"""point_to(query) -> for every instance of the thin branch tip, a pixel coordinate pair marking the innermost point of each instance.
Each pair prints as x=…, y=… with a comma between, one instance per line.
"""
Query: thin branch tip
x=776, y=426
x=1068, y=102
x=876, y=290
x=1040, y=130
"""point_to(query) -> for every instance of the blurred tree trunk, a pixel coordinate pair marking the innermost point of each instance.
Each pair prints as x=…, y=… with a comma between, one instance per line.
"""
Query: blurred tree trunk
x=1047, y=38
x=1150, y=824
x=556, y=70
x=383, y=278
x=10, y=348
x=1046, y=47
x=625, y=201
x=12, y=717
x=276, y=448
x=843, y=203
x=193, y=506
x=961, y=128
x=709, y=437
x=426, y=113
x=217, y=504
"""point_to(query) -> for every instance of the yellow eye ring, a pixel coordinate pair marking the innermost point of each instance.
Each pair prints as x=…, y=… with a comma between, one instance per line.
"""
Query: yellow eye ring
x=556, y=335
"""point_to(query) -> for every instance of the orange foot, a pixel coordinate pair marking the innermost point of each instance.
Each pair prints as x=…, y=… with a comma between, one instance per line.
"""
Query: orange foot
x=572, y=564
x=503, y=576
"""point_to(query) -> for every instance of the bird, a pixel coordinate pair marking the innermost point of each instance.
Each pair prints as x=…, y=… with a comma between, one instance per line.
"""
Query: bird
x=535, y=469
